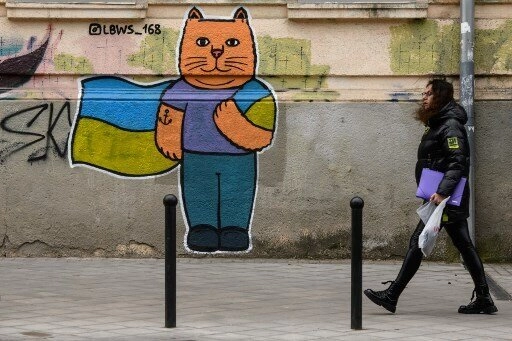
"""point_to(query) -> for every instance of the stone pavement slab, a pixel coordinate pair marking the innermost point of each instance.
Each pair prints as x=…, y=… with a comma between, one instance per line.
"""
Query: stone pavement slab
x=225, y=299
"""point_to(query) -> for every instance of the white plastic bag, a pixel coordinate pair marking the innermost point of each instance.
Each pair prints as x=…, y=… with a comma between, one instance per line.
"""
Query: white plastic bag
x=426, y=210
x=429, y=234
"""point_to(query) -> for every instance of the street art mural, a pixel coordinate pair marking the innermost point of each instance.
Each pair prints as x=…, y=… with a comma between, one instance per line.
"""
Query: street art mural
x=212, y=121
x=17, y=63
x=285, y=63
x=116, y=133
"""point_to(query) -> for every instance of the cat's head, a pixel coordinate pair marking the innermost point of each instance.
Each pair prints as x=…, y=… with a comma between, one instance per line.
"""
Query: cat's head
x=217, y=53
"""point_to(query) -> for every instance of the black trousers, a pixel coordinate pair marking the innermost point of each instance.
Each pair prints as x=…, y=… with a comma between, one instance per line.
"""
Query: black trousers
x=459, y=234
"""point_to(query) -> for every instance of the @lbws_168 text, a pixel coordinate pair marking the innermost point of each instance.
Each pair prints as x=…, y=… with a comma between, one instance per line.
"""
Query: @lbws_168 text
x=96, y=29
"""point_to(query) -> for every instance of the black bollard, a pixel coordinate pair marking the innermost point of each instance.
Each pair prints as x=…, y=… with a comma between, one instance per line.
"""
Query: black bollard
x=357, y=265
x=170, y=203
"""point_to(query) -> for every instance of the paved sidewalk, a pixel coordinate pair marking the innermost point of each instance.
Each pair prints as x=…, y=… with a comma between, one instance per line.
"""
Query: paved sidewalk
x=221, y=299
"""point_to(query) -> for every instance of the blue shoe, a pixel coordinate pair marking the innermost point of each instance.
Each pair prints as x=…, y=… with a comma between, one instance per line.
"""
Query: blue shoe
x=234, y=238
x=203, y=238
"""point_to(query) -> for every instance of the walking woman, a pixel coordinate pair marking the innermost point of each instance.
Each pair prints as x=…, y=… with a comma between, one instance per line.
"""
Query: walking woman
x=443, y=147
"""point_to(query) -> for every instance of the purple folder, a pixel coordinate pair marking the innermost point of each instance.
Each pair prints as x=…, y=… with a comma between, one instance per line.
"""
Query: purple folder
x=429, y=182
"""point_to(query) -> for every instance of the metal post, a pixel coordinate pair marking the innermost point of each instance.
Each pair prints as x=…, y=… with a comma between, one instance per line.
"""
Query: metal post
x=170, y=202
x=357, y=265
x=467, y=85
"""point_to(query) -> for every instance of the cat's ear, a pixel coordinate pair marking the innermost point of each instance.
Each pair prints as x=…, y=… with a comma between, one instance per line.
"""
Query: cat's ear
x=241, y=13
x=195, y=13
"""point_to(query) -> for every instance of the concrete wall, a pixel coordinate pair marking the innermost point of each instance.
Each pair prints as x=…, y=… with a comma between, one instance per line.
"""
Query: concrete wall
x=346, y=89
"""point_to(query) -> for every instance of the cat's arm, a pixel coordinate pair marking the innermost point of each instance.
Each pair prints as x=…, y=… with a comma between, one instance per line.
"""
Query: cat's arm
x=238, y=129
x=168, y=131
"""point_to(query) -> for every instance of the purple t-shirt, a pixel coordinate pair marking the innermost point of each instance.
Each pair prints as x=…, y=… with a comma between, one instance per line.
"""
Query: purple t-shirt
x=200, y=134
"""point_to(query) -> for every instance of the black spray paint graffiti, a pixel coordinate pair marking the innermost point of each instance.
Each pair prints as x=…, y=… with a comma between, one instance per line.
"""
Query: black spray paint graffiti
x=29, y=128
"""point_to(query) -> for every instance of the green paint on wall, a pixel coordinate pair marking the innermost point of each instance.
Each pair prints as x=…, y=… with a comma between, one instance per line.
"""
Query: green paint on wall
x=70, y=63
x=286, y=64
x=157, y=53
x=493, y=49
x=315, y=96
x=424, y=46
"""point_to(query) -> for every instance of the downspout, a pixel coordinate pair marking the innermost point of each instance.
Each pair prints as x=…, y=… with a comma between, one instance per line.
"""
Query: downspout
x=467, y=85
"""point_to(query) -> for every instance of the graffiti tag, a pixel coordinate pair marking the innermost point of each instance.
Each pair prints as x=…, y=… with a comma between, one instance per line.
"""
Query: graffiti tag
x=33, y=131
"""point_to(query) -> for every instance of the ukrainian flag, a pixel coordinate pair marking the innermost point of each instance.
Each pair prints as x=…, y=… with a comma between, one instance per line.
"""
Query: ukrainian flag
x=114, y=128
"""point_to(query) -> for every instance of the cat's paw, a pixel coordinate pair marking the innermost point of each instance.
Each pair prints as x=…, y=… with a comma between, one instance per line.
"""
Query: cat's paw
x=174, y=155
x=226, y=111
x=238, y=130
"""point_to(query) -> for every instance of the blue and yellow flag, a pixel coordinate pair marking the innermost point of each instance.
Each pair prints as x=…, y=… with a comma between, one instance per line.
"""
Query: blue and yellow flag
x=114, y=129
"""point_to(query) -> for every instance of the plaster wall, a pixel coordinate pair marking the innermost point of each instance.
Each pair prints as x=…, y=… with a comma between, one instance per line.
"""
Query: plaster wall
x=345, y=89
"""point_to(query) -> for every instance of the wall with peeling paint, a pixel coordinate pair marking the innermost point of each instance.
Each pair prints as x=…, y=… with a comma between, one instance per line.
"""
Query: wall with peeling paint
x=346, y=91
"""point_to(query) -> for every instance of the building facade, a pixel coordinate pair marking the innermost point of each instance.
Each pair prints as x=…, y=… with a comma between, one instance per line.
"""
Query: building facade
x=319, y=100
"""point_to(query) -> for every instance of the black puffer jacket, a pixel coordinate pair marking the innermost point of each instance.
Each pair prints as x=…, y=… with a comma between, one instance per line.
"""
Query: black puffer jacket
x=444, y=147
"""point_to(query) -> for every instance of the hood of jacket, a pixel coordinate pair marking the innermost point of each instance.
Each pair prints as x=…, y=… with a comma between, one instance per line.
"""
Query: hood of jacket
x=450, y=110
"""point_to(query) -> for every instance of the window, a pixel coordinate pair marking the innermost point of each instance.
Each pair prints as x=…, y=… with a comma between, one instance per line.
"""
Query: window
x=357, y=9
x=76, y=9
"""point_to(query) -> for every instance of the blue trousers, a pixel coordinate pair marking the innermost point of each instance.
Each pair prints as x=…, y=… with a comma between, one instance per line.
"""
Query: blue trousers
x=218, y=190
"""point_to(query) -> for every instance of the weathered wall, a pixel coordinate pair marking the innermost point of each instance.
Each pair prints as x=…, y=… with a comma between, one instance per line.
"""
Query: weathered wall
x=345, y=89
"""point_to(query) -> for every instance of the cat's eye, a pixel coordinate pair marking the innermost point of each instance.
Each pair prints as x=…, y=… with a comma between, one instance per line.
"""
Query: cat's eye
x=202, y=41
x=232, y=42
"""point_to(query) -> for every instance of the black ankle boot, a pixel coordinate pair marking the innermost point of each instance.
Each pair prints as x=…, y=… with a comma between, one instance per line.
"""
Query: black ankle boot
x=385, y=298
x=483, y=303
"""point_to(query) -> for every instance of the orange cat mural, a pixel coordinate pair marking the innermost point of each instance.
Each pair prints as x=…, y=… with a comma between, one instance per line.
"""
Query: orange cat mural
x=215, y=119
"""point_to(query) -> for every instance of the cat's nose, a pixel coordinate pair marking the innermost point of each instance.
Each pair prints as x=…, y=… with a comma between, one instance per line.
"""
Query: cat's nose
x=216, y=53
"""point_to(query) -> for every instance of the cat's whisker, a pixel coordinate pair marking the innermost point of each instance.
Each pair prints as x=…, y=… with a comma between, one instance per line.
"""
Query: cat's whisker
x=235, y=62
x=195, y=58
x=237, y=57
x=196, y=62
x=235, y=67
x=197, y=66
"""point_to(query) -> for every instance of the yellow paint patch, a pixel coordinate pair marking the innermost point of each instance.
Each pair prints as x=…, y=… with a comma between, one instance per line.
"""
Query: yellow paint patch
x=128, y=153
x=262, y=113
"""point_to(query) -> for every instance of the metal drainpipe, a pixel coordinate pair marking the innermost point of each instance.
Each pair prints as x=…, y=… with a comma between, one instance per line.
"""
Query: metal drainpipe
x=467, y=85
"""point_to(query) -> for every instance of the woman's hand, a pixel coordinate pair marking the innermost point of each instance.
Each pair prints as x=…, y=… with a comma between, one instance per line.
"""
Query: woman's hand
x=437, y=198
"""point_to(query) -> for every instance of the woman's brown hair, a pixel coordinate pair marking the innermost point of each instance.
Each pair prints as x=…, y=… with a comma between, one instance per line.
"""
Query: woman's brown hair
x=443, y=94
